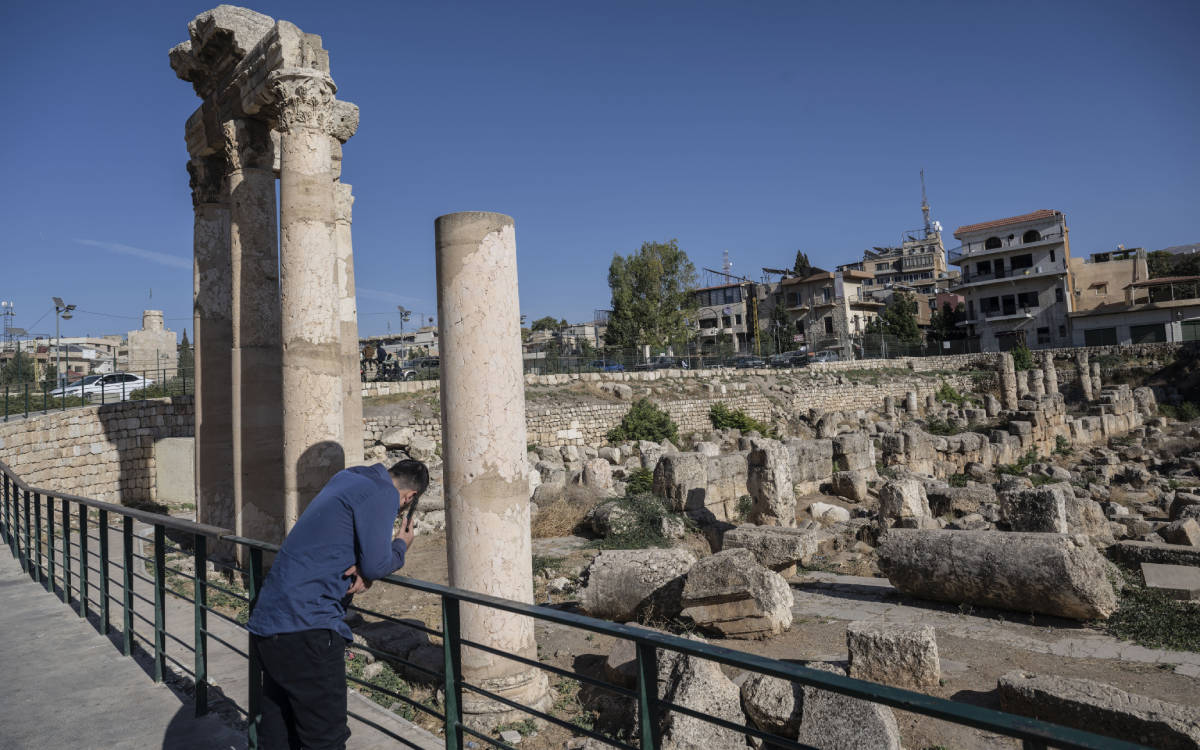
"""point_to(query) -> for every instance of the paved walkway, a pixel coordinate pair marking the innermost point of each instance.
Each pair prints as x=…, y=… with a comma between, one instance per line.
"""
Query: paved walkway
x=63, y=685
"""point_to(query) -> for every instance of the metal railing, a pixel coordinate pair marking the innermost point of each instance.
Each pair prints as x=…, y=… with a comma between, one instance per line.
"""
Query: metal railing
x=23, y=399
x=38, y=523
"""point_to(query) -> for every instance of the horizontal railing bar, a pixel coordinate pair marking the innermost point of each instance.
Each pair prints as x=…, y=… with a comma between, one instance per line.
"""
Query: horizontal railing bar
x=183, y=667
x=539, y=714
x=390, y=618
x=178, y=595
x=223, y=590
x=394, y=658
x=404, y=698
x=141, y=577
x=225, y=617
x=141, y=617
x=603, y=684
x=176, y=571
x=143, y=558
x=175, y=638
x=491, y=741
x=384, y=730
x=138, y=596
x=226, y=644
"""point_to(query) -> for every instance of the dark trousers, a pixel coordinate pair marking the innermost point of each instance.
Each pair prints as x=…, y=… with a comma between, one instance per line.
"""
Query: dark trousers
x=304, y=690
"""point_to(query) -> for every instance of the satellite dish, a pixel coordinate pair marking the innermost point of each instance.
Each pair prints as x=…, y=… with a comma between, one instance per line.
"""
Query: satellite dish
x=727, y=310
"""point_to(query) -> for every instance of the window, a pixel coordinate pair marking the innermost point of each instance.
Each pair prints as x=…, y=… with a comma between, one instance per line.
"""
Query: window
x=828, y=324
x=1148, y=334
x=737, y=320
x=1008, y=304
x=725, y=321
x=1043, y=335
x=1052, y=255
x=1100, y=337
x=1021, y=261
x=984, y=266
x=992, y=243
x=990, y=305
x=970, y=309
x=1032, y=235
x=1062, y=332
x=1101, y=289
x=1027, y=299
x=826, y=294
x=1058, y=294
x=708, y=323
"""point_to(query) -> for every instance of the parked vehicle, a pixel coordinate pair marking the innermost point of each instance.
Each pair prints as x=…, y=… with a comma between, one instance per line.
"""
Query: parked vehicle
x=115, y=386
x=788, y=359
x=828, y=355
x=395, y=370
x=606, y=366
x=425, y=368
x=747, y=362
x=662, y=363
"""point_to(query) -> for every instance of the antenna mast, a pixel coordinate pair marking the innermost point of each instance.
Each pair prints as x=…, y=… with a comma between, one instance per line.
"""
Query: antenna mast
x=925, y=206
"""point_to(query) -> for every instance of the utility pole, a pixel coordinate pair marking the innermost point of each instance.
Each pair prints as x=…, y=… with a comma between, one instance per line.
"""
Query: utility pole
x=62, y=311
x=925, y=207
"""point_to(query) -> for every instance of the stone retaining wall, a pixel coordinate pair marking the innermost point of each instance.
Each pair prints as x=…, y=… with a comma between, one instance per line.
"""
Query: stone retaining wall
x=102, y=452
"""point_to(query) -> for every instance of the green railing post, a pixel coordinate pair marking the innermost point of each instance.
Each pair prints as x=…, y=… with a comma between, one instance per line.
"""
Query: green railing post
x=39, y=574
x=452, y=667
x=254, y=699
x=127, y=575
x=25, y=559
x=160, y=595
x=66, y=555
x=5, y=403
x=84, y=563
x=200, y=639
x=45, y=404
x=647, y=686
x=8, y=537
x=50, y=562
x=27, y=400
x=102, y=528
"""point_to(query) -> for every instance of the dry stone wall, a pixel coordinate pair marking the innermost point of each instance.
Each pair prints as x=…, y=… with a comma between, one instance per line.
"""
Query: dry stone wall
x=102, y=452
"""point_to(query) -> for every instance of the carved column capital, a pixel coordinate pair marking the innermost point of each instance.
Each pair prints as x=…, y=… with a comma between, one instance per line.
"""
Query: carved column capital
x=302, y=98
x=206, y=178
x=248, y=145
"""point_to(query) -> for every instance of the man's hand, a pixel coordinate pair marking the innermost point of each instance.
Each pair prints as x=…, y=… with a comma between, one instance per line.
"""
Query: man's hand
x=359, y=584
x=406, y=533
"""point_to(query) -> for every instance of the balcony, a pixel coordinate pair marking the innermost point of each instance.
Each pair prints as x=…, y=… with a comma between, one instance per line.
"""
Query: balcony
x=974, y=250
x=1042, y=270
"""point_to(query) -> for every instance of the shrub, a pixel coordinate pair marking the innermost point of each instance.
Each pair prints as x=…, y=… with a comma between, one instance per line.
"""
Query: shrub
x=1062, y=446
x=949, y=394
x=1022, y=357
x=939, y=427
x=640, y=482
x=1021, y=465
x=958, y=480
x=644, y=421
x=1185, y=411
x=723, y=418
x=646, y=528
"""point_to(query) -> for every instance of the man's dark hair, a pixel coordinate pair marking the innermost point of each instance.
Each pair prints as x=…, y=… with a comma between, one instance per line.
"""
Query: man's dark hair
x=412, y=474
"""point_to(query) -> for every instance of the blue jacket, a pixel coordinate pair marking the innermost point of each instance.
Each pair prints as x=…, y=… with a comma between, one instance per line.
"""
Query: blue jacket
x=349, y=522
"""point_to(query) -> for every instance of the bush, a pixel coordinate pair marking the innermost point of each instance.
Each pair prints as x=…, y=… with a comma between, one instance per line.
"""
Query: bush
x=1022, y=357
x=1186, y=411
x=958, y=480
x=1062, y=446
x=949, y=394
x=644, y=421
x=646, y=529
x=1021, y=465
x=639, y=482
x=170, y=387
x=940, y=427
x=723, y=418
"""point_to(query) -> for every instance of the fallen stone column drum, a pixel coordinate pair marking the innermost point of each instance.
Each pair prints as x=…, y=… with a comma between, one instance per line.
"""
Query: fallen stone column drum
x=485, y=468
x=1053, y=574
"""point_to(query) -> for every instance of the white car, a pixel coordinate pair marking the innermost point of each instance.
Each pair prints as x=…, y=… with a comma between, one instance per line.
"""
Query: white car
x=115, y=386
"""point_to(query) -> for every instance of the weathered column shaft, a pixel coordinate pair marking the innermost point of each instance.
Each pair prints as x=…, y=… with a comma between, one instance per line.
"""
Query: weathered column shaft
x=257, y=383
x=1051, y=374
x=1008, y=381
x=1085, y=375
x=1037, y=382
x=212, y=327
x=483, y=437
x=352, y=407
x=1022, y=383
x=1097, y=383
x=313, y=427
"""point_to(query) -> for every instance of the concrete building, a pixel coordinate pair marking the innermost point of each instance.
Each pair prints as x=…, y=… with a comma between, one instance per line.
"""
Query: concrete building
x=831, y=308
x=1156, y=310
x=1015, y=280
x=1104, y=279
x=153, y=349
x=725, y=313
x=919, y=263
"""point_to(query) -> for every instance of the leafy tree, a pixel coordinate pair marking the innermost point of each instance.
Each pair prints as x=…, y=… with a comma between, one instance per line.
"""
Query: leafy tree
x=545, y=324
x=1160, y=263
x=943, y=324
x=19, y=369
x=651, y=296
x=50, y=376
x=644, y=421
x=899, y=319
x=553, y=351
x=586, y=350
x=1022, y=357
x=802, y=267
x=187, y=360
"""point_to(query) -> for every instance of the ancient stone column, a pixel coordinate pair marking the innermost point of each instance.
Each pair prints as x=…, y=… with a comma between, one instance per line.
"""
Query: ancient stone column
x=1022, y=383
x=930, y=401
x=1050, y=373
x=212, y=325
x=1037, y=383
x=910, y=403
x=1008, y=381
x=1085, y=377
x=352, y=405
x=889, y=407
x=257, y=382
x=483, y=437
x=313, y=376
x=991, y=405
x=1097, y=385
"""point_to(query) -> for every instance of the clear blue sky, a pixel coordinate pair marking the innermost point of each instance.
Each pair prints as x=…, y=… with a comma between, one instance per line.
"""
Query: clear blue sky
x=754, y=127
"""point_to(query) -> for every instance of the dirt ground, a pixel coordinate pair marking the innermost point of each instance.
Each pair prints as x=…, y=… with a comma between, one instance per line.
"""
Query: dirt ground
x=976, y=646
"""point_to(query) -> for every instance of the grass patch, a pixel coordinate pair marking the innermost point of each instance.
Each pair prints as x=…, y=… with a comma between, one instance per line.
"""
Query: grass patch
x=949, y=394
x=1152, y=619
x=1039, y=479
x=957, y=480
x=645, y=530
x=1023, y=463
x=723, y=418
x=639, y=482
x=940, y=427
x=1182, y=412
x=559, y=518
x=386, y=679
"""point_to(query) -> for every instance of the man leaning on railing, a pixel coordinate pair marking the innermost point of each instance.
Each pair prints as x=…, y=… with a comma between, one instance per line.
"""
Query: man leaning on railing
x=341, y=543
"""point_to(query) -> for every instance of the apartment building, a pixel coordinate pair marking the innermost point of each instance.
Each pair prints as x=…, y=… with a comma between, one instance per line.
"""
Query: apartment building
x=832, y=308
x=1105, y=279
x=725, y=311
x=1154, y=310
x=1015, y=280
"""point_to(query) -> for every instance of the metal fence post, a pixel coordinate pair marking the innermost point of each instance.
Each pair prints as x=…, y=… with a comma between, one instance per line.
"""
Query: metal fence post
x=8, y=539
x=102, y=528
x=647, y=685
x=200, y=639
x=38, y=574
x=160, y=594
x=127, y=575
x=66, y=555
x=25, y=560
x=27, y=400
x=452, y=667
x=50, y=562
x=84, y=563
x=254, y=699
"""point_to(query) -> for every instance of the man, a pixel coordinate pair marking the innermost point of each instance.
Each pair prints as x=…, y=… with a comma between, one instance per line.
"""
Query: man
x=341, y=543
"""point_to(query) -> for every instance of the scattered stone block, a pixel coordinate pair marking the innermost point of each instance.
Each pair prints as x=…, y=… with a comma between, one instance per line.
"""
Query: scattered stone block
x=1136, y=553
x=769, y=481
x=1041, y=509
x=1103, y=709
x=1177, y=581
x=852, y=485
x=828, y=513
x=624, y=584
x=958, y=501
x=731, y=595
x=903, y=656
x=833, y=721
x=1054, y=574
x=699, y=684
x=597, y=474
x=775, y=547
x=903, y=498
x=773, y=705
x=1184, y=531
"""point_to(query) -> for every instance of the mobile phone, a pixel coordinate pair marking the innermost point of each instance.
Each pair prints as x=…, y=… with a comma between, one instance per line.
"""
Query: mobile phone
x=412, y=509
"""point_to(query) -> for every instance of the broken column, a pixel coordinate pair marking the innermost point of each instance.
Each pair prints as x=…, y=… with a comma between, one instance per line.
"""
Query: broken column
x=1097, y=385
x=485, y=466
x=889, y=407
x=1050, y=373
x=1022, y=384
x=1037, y=383
x=257, y=393
x=1008, y=381
x=1085, y=376
x=910, y=403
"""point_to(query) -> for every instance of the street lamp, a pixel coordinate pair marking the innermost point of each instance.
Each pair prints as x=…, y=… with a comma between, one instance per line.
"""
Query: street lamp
x=62, y=311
